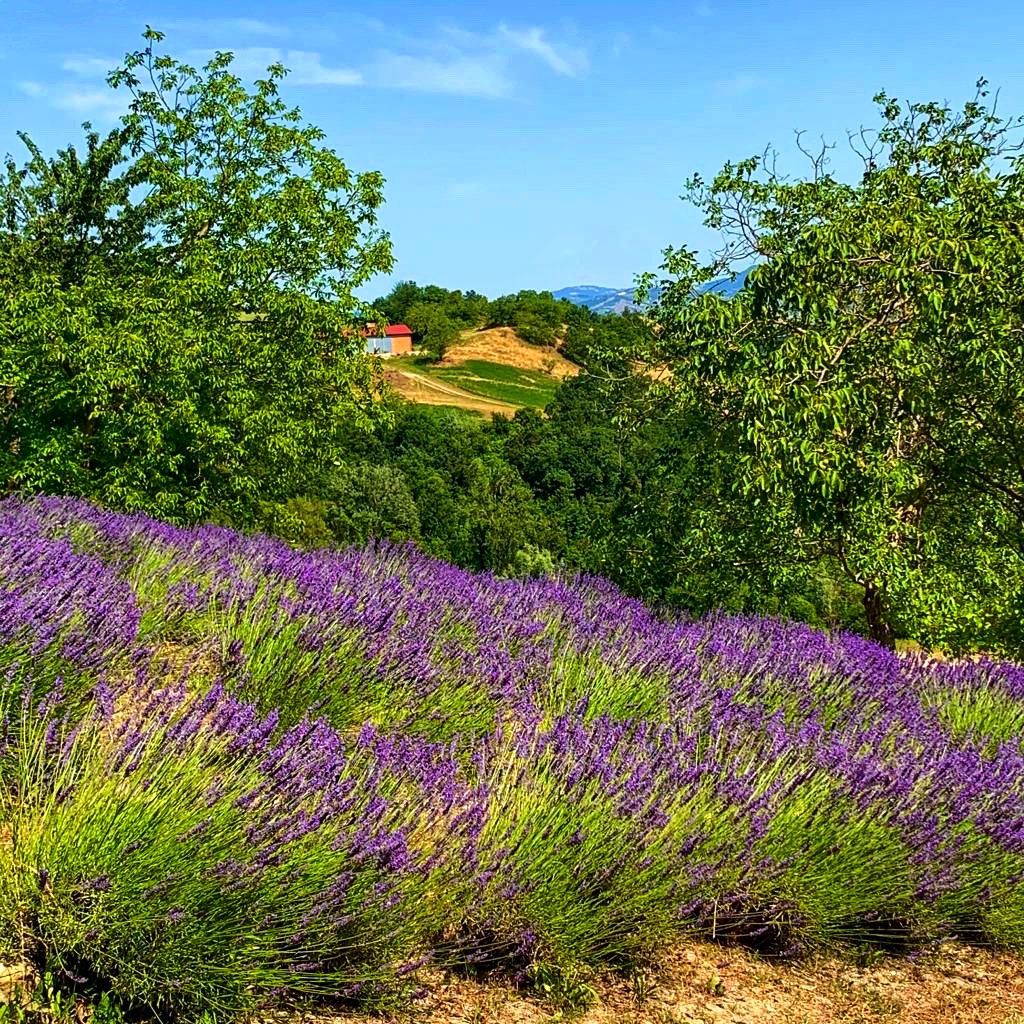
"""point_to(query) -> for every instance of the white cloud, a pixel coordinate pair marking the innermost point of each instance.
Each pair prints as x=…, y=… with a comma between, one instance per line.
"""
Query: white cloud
x=703, y=9
x=565, y=60
x=452, y=61
x=89, y=65
x=245, y=26
x=102, y=103
x=305, y=66
x=463, y=75
x=307, y=69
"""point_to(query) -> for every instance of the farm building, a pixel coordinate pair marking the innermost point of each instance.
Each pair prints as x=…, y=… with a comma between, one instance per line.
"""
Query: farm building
x=393, y=341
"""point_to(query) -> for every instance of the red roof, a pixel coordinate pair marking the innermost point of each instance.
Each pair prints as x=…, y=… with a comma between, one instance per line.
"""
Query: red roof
x=397, y=329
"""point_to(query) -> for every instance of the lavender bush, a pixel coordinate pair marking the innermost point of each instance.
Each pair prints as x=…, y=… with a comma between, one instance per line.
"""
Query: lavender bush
x=230, y=770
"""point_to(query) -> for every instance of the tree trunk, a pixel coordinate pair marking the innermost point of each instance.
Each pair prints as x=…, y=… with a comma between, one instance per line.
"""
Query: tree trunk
x=878, y=621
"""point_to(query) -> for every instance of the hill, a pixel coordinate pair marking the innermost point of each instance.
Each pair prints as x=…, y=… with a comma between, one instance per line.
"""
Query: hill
x=233, y=772
x=616, y=300
x=488, y=371
x=598, y=299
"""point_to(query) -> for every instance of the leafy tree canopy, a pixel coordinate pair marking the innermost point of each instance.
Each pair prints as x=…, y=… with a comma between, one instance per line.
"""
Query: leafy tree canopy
x=874, y=362
x=436, y=329
x=466, y=310
x=176, y=299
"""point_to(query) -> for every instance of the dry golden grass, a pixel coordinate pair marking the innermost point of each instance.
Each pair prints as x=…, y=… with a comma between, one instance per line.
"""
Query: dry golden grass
x=503, y=345
x=495, y=345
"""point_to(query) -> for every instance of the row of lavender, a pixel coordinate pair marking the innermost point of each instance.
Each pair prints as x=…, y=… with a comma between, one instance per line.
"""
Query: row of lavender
x=230, y=770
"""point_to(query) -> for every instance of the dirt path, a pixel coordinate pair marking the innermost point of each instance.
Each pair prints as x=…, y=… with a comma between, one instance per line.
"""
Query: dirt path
x=427, y=391
x=707, y=984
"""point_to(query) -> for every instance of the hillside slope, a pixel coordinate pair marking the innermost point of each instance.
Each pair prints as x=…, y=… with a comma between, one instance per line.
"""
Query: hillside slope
x=487, y=371
x=294, y=774
x=503, y=345
x=423, y=389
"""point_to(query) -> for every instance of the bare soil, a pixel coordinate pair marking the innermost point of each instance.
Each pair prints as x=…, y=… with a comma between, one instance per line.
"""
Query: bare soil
x=709, y=984
x=425, y=390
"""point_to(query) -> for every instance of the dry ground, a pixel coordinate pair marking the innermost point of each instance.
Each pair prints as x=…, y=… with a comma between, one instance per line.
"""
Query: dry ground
x=708, y=984
x=495, y=345
x=503, y=345
x=425, y=390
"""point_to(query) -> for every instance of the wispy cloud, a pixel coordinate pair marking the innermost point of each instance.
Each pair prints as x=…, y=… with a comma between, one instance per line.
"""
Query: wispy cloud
x=451, y=60
x=464, y=75
x=89, y=65
x=305, y=66
x=565, y=60
x=307, y=69
x=739, y=85
x=231, y=26
x=703, y=9
x=102, y=103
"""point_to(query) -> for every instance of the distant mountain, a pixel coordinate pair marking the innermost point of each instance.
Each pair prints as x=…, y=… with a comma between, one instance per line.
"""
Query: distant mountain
x=598, y=299
x=616, y=300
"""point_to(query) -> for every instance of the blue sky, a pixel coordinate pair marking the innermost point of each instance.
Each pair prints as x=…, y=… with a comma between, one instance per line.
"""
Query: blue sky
x=531, y=145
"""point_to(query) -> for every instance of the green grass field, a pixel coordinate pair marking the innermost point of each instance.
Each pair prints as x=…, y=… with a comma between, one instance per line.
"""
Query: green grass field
x=492, y=380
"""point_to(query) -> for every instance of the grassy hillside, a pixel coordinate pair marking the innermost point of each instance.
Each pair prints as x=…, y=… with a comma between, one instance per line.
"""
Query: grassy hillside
x=232, y=772
x=496, y=381
x=488, y=371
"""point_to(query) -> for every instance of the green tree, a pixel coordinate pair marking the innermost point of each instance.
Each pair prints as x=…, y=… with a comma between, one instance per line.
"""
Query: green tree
x=436, y=330
x=538, y=317
x=177, y=299
x=468, y=311
x=365, y=501
x=874, y=363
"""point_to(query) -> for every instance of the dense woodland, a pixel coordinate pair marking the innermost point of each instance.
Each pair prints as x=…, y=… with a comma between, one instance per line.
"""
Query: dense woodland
x=840, y=442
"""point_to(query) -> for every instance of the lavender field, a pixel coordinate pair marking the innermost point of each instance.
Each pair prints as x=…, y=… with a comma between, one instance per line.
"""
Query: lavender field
x=233, y=772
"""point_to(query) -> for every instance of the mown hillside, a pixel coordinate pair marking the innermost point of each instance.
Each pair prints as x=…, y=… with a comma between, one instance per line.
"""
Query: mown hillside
x=487, y=371
x=235, y=774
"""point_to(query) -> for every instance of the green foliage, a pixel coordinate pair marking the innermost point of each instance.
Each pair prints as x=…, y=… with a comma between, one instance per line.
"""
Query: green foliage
x=436, y=330
x=570, y=990
x=50, y=1003
x=600, y=342
x=123, y=873
x=614, y=479
x=301, y=521
x=365, y=501
x=531, y=560
x=176, y=299
x=538, y=317
x=873, y=365
x=467, y=310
